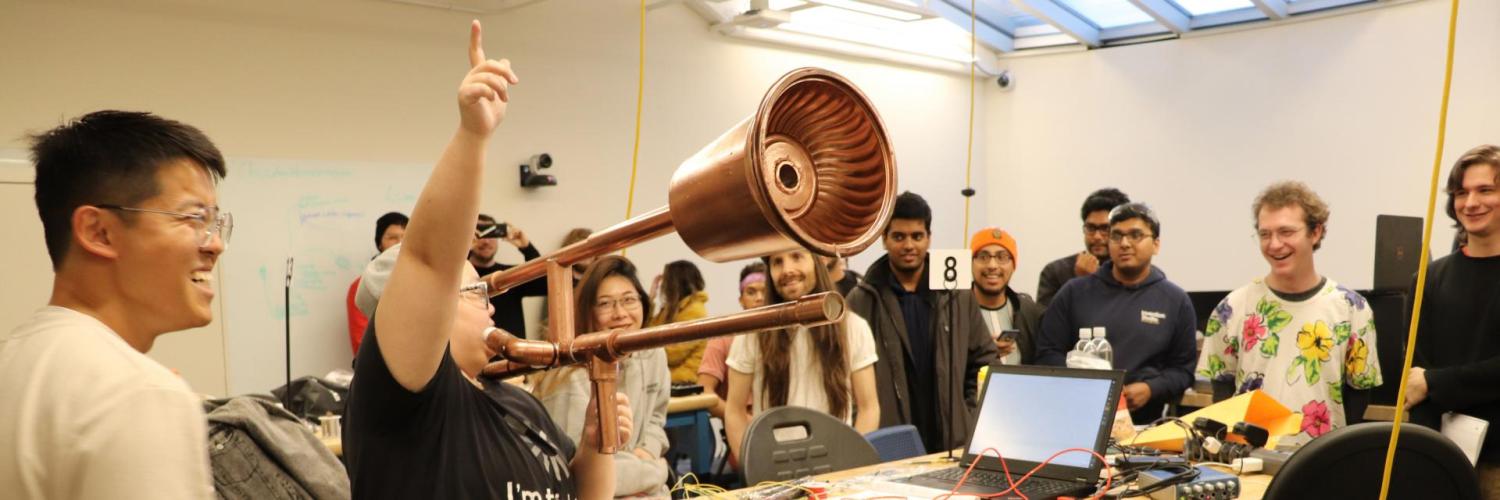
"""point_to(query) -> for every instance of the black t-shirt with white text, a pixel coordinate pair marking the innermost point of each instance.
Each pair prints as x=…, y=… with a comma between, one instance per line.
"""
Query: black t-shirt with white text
x=451, y=439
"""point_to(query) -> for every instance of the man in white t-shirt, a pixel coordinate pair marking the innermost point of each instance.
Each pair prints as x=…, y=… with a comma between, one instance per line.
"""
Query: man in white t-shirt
x=1298, y=336
x=799, y=366
x=129, y=209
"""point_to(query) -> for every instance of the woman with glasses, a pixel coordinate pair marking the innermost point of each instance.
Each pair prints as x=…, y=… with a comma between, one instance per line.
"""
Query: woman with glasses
x=610, y=297
x=419, y=422
x=829, y=368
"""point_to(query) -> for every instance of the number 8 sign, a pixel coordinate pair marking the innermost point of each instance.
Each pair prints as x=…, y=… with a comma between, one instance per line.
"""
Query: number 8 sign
x=952, y=269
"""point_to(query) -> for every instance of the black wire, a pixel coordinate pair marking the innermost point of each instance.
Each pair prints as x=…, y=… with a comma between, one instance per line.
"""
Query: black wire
x=1184, y=472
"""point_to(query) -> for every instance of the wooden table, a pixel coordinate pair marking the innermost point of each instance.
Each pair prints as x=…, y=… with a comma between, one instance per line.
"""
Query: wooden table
x=1252, y=486
x=691, y=403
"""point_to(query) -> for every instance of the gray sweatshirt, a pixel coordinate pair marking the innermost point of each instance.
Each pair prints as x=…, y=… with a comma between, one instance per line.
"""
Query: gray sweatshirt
x=644, y=379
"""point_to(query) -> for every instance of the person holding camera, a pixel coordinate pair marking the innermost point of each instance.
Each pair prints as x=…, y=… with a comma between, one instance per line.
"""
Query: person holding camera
x=1012, y=317
x=487, y=235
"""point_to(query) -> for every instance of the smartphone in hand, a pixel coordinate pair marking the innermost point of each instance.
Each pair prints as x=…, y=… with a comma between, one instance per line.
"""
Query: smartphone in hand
x=486, y=231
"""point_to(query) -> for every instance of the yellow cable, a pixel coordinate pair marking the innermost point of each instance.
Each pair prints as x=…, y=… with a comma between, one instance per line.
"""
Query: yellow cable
x=969, y=162
x=640, y=87
x=1416, y=315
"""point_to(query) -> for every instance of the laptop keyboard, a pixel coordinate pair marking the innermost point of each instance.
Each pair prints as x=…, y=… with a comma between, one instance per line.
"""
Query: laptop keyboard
x=1034, y=486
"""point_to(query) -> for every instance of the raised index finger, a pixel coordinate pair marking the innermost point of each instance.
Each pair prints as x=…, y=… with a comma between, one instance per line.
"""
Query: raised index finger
x=476, y=44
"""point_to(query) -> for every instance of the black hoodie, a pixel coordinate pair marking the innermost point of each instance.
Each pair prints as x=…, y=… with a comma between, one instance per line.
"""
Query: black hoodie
x=1150, y=326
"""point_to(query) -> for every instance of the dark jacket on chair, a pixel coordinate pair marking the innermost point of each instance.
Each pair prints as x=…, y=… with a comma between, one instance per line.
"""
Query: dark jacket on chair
x=966, y=340
x=260, y=451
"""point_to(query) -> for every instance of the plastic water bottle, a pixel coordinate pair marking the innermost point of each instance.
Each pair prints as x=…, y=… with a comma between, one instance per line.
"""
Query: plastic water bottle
x=1083, y=355
x=1100, y=347
x=1084, y=336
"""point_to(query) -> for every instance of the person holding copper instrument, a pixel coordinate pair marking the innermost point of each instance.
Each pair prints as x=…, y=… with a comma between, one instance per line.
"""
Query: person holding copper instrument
x=828, y=368
x=611, y=297
x=419, y=423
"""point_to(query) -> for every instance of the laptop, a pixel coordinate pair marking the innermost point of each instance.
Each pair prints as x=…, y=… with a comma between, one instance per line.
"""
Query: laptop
x=1398, y=248
x=1028, y=413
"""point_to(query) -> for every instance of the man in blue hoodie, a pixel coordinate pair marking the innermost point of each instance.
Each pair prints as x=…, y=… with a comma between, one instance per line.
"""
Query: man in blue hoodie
x=1148, y=320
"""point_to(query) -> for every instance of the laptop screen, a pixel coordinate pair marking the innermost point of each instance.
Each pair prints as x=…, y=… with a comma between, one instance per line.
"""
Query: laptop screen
x=1030, y=417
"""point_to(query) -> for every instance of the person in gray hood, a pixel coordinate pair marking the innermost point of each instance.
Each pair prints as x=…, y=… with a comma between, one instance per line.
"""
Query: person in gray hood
x=611, y=297
x=1148, y=320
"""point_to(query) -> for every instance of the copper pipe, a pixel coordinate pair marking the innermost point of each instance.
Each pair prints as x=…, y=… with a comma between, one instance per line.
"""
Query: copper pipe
x=811, y=168
x=559, y=302
x=522, y=355
x=645, y=227
x=605, y=376
x=513, y=349
x=505, y=369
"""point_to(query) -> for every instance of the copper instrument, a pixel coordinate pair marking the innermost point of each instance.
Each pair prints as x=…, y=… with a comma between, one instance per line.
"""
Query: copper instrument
x=812, y=168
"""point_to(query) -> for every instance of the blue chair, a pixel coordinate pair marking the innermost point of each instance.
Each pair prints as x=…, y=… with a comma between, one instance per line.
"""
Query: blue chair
x=897, y=442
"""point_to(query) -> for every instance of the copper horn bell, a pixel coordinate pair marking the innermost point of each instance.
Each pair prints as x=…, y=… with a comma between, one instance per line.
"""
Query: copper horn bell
x=812, y=168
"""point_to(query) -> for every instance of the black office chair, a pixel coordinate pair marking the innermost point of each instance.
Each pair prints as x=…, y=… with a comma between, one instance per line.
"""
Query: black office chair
x=789, y=442
x=1348, y=463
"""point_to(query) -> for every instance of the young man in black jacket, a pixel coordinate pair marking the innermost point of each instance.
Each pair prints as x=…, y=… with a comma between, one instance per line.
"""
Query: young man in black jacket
x=1095, y=214
x=1148, y=320
x=931, y=342
x=1457, y=359
x=995, y=254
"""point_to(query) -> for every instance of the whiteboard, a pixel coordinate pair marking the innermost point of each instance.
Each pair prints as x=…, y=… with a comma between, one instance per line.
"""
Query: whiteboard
x=322, y=214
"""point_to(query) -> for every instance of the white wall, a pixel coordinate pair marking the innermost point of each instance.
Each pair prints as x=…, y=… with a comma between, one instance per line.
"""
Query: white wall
x=1196, y=127
x=368, y=81
x=1193, y=126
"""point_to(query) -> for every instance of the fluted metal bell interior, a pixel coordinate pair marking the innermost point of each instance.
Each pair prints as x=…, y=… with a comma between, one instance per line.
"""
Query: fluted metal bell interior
x=812, y=168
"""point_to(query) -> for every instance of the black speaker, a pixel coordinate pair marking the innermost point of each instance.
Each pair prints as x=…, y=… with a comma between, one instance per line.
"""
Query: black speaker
x=1391, y=324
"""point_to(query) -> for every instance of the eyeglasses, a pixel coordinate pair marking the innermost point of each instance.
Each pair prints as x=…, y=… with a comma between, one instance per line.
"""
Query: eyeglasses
x=477, y=293
x=222, y=225
x=1283, y=234
x=628, y=303
x=999, y=258
x=1130, y=237
x=1095, y=228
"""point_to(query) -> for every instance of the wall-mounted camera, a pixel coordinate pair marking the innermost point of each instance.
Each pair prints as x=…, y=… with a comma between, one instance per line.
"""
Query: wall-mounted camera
x=1006, y=80
x=531, y=175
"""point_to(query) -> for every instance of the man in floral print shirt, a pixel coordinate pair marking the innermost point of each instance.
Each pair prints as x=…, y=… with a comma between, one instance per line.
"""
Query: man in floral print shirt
x=1296, y=335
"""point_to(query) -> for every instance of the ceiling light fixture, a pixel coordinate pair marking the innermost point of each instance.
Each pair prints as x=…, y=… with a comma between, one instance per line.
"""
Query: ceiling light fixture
x=889, y=10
